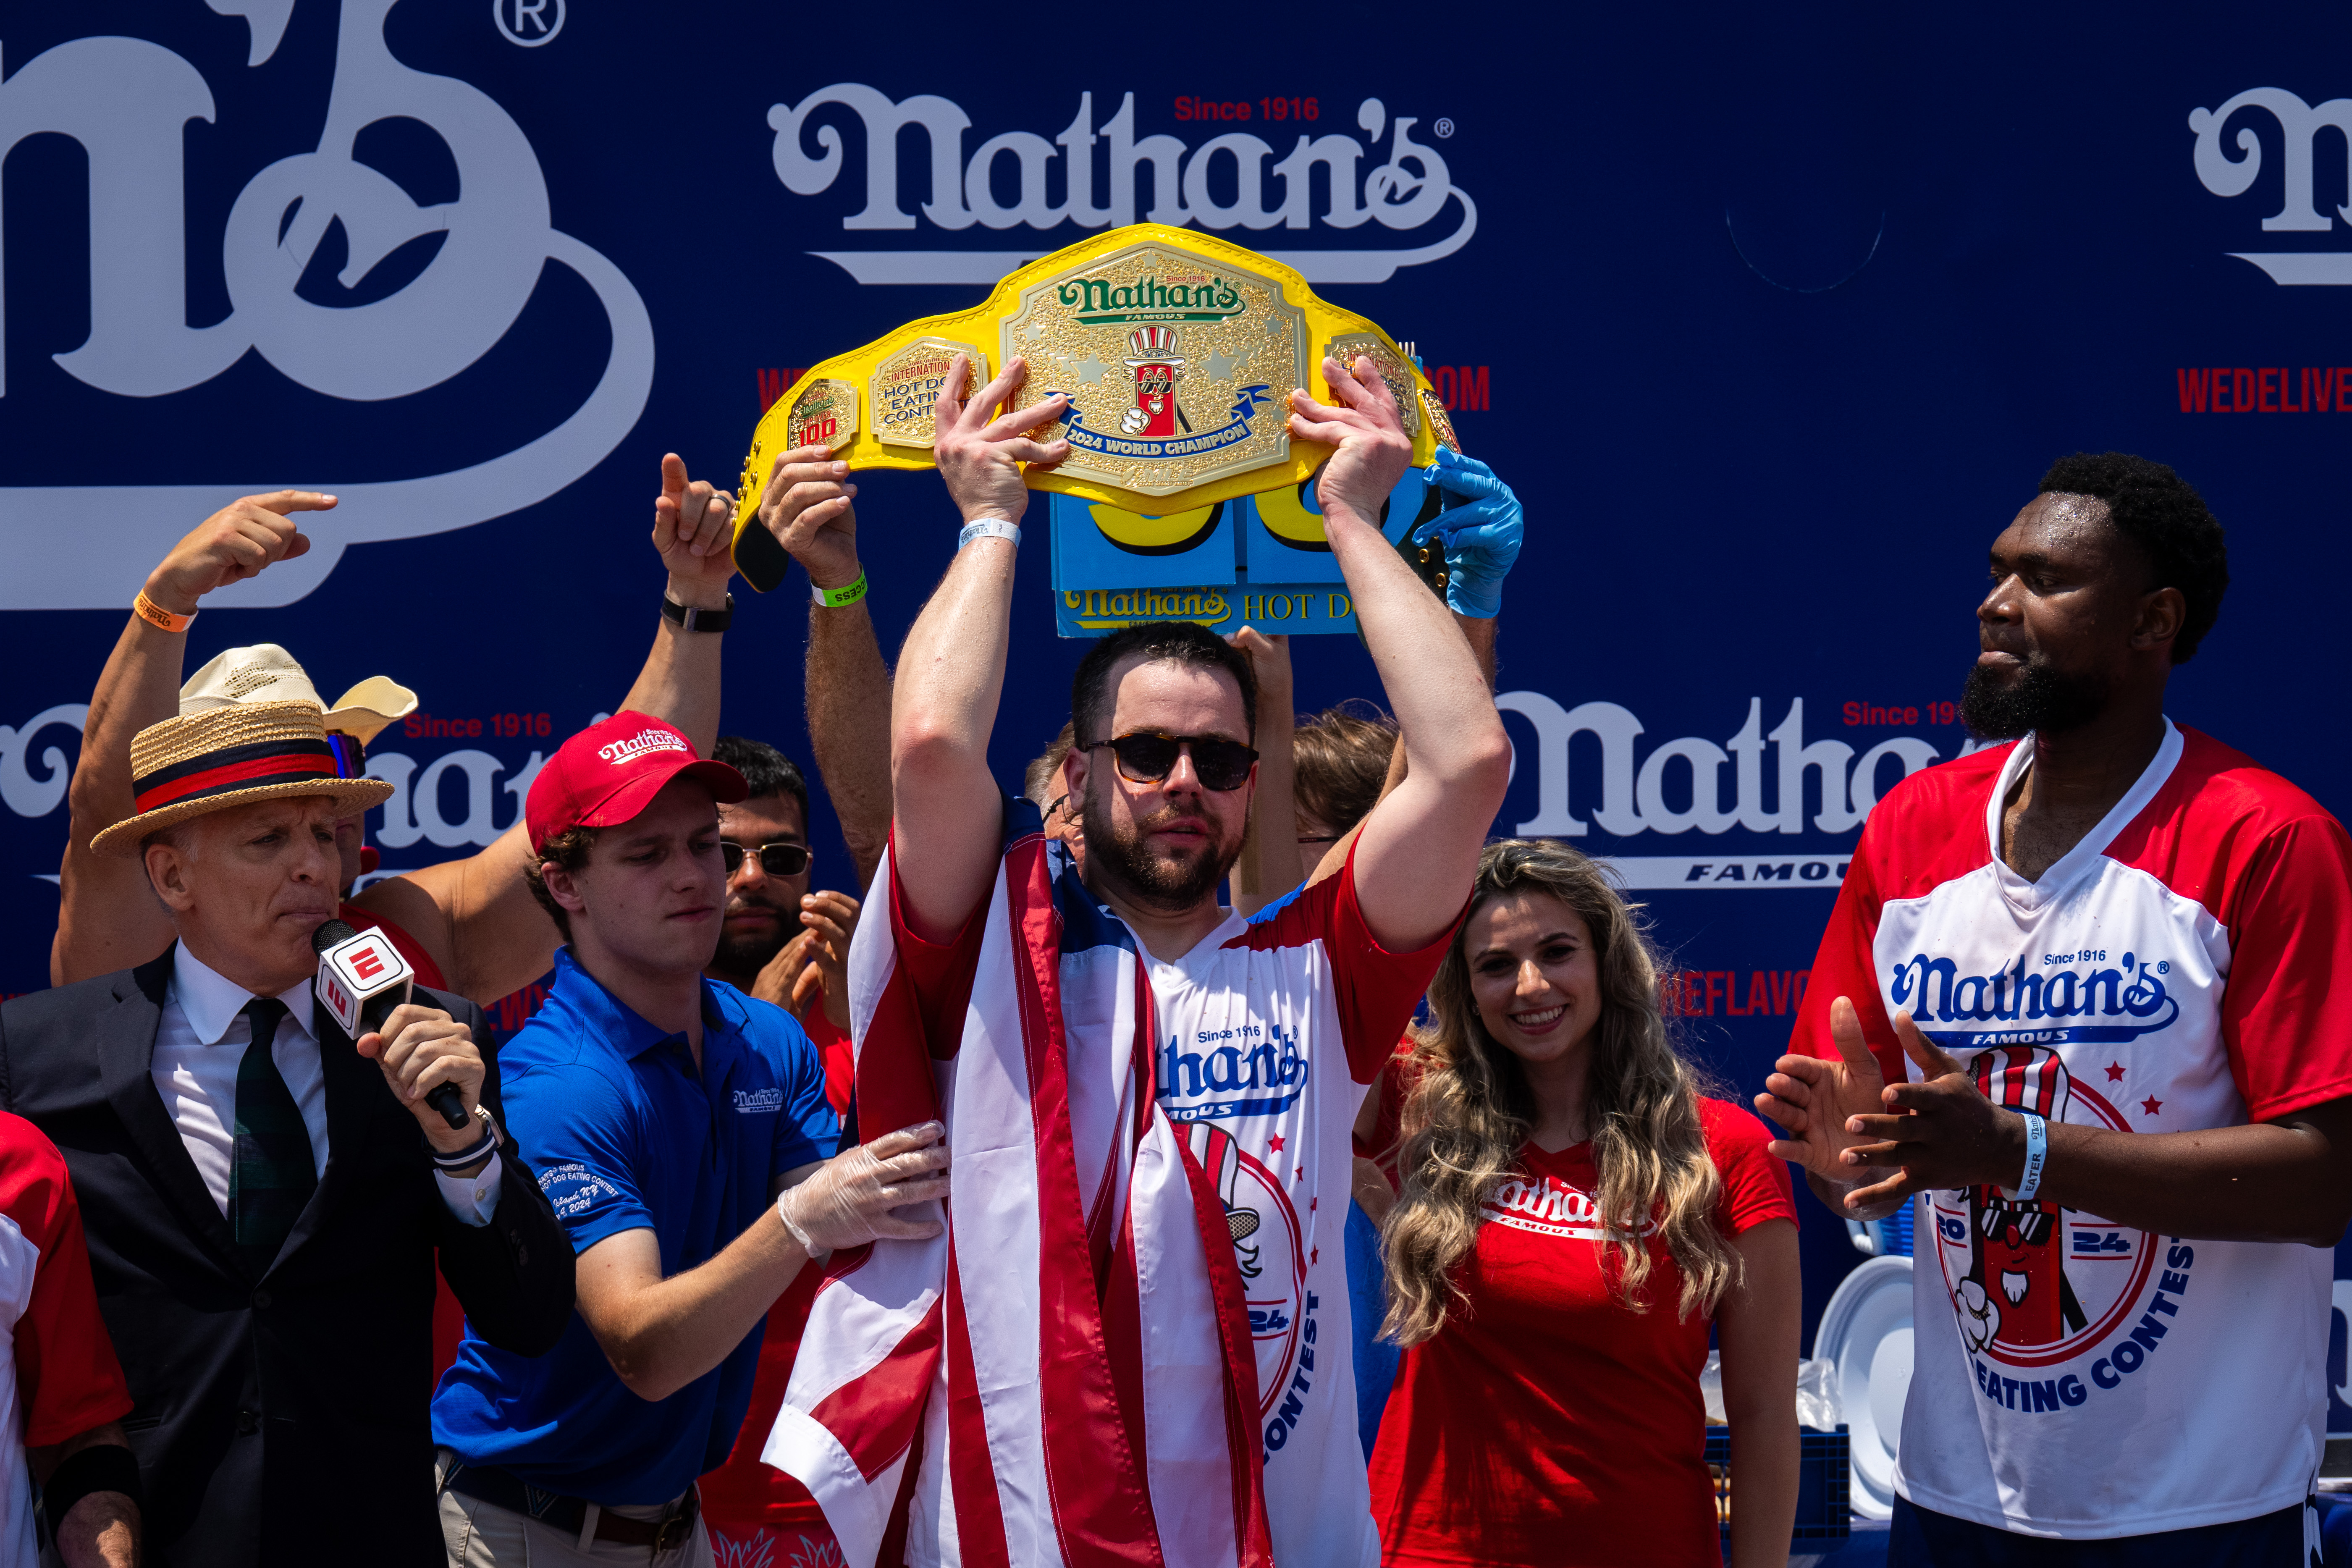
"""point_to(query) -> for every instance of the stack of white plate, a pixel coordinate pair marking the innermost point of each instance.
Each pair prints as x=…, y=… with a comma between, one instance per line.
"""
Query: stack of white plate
x=1866, y=1331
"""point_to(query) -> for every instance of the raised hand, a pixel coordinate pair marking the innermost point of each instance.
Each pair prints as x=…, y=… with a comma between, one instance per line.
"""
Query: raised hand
x=1814, y=1099
x=831, y=917
x=853, y=1197
x=234, y=544
x=694, y=529
x=806, y=505
x=1482, y=535
x=982, y=458
x=1373, y=449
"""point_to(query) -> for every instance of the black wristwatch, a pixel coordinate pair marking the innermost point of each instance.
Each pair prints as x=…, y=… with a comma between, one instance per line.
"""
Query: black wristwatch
x=689, y=620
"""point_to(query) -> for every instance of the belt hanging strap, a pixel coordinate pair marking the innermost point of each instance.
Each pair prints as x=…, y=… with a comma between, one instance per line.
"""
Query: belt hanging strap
x=588, y=1518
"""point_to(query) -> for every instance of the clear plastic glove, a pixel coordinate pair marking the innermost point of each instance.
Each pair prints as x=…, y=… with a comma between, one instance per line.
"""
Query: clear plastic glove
x=1482, y=535
x=849, y=1200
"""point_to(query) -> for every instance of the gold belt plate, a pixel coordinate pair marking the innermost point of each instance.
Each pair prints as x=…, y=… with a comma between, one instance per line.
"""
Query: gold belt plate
x=1179, y=350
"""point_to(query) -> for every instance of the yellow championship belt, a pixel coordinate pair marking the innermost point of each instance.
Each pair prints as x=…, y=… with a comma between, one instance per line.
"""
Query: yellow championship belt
x=1179, y=352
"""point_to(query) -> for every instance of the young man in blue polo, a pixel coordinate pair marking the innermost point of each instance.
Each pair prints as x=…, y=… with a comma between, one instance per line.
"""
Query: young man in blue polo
x=681, y=1131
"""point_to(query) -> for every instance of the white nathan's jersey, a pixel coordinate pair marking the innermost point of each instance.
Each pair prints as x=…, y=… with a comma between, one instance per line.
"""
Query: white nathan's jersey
x=1262, y=1032
x=2073, y=1376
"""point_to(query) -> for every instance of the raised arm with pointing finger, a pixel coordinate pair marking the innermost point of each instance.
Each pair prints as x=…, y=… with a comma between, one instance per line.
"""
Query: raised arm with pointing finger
x=473, y=917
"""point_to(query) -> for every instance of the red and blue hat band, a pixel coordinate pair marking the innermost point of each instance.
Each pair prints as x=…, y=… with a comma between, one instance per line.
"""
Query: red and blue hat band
x=253, y=767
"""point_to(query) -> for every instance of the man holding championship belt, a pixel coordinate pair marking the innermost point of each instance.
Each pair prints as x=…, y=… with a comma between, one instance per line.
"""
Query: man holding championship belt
x=1117, y=1338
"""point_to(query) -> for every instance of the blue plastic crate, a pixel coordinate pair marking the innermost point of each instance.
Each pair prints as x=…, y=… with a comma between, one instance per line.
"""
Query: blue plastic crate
x=1824, y=1473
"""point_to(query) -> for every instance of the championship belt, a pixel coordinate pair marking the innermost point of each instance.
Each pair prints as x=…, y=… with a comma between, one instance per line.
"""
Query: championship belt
x=1184, y=496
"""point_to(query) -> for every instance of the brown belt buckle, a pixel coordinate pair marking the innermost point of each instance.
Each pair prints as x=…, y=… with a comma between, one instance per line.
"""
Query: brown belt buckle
x=678, y=1528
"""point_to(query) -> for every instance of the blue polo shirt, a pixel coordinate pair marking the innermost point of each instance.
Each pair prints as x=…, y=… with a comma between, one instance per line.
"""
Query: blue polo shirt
x=623, y=1134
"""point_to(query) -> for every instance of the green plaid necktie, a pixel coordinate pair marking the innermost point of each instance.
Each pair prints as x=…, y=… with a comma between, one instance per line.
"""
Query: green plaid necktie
x=273, y=1174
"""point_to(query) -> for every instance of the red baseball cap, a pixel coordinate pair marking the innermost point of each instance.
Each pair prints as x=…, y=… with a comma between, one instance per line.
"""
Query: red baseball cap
x=610, y=771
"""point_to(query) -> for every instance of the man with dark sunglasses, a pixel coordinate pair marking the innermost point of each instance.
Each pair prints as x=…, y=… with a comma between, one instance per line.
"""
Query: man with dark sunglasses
x=778, y=940
x=1152, y=1098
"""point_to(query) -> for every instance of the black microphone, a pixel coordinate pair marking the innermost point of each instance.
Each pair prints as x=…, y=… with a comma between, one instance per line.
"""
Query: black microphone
x=362, y=979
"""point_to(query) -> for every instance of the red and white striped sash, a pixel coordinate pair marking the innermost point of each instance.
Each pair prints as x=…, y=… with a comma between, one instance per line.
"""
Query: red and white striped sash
x=1074, y=1350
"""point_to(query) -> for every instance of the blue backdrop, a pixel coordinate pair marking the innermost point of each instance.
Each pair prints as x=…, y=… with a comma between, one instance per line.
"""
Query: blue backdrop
x=1774, y=318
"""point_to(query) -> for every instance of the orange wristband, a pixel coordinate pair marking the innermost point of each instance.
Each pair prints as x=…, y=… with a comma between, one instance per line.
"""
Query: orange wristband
x=156, y=616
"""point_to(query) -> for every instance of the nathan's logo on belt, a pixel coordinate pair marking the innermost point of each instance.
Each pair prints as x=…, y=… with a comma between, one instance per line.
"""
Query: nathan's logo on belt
x=2033, y=997
x=759, y=1102
x=1247, y=1071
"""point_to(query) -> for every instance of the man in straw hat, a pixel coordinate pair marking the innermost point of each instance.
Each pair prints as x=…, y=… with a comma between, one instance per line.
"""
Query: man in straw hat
x=467, y=924
x=263, y=1224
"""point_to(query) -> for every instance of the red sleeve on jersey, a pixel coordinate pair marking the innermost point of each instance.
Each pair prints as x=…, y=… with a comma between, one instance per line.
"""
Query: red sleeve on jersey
x=1377, y=990
x=940, y=972
x=2290, y=920
x=1845, y=966
x=1755, y=1186
x=67, y=1377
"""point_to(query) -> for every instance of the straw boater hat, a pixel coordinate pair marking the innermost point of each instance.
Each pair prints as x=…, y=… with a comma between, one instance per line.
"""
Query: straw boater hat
x=229, y=756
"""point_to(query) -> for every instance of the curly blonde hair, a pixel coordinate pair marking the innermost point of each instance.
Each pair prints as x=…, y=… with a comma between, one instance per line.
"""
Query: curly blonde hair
x=1470, y=1110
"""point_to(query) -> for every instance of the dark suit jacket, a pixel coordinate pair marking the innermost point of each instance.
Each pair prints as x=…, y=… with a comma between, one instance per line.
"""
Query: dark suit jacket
x=283, y=1420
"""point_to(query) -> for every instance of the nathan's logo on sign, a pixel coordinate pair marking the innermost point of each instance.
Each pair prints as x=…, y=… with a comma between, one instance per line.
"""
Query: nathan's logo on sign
x=2029, y=1004
x=1406, y=188
x=1149, y=300
x=127, y=102
x=2295, y=125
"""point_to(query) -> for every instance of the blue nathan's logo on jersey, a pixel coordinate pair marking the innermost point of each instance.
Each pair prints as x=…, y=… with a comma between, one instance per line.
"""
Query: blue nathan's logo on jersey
x=2032, y=1002
x=1250, y=1069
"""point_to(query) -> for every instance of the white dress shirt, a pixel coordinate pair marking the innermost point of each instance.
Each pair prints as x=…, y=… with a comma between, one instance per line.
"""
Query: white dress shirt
x=199, y=1045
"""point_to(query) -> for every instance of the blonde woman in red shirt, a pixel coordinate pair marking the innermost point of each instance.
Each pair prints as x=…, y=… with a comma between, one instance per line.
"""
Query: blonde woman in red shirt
x=1575, y=1216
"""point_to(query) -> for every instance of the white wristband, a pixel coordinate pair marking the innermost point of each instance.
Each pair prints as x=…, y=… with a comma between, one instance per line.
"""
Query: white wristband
x=988, y=527
x=2037, y=1151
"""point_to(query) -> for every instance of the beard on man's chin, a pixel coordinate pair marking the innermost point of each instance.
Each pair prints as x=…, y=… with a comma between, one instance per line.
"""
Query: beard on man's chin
x=2042, y=699
x=749, y=954
x=1169, y=883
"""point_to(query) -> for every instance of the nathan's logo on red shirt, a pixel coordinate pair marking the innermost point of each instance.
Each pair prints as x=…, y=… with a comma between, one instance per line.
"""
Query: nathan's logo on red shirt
x=1546, y=1205
x=2047, y=987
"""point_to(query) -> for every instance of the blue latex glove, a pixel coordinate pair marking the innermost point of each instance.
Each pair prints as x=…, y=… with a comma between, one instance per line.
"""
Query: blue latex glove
x=1482, y=535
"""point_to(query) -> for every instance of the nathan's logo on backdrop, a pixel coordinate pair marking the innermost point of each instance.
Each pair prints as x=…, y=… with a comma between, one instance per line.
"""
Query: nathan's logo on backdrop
x=128, y=101
x=1678, y=787
x=1224, y=183
x=2291, y=126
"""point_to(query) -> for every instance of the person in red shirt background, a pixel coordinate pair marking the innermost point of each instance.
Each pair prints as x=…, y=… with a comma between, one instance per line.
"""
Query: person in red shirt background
x=1548, y=1409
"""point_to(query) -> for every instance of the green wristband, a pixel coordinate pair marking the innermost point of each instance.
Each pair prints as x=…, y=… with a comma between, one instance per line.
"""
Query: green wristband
x=834, y=598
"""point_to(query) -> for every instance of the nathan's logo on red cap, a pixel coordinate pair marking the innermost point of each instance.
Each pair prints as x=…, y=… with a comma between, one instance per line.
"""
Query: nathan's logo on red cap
x=643, y=741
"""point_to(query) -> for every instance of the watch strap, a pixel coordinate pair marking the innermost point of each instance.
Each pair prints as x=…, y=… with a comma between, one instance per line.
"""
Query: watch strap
x=685, y=619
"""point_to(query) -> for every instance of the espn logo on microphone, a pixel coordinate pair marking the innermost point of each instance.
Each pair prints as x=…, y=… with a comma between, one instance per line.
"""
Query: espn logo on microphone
x=356, y=969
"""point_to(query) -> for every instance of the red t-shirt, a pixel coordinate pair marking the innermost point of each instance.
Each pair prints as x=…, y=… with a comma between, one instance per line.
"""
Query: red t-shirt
x=743, y=1494
x=1547, y=1425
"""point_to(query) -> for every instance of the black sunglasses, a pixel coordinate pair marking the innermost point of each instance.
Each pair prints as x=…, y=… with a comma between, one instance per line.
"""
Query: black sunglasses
x=1147, y=756
x=775, y=859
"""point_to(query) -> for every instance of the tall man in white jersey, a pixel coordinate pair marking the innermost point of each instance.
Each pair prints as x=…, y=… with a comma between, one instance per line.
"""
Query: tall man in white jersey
x=2104, y=958
x=1133, y=1345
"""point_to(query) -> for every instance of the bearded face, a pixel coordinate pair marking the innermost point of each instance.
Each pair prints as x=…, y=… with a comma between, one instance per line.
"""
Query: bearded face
x=1170, y=861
